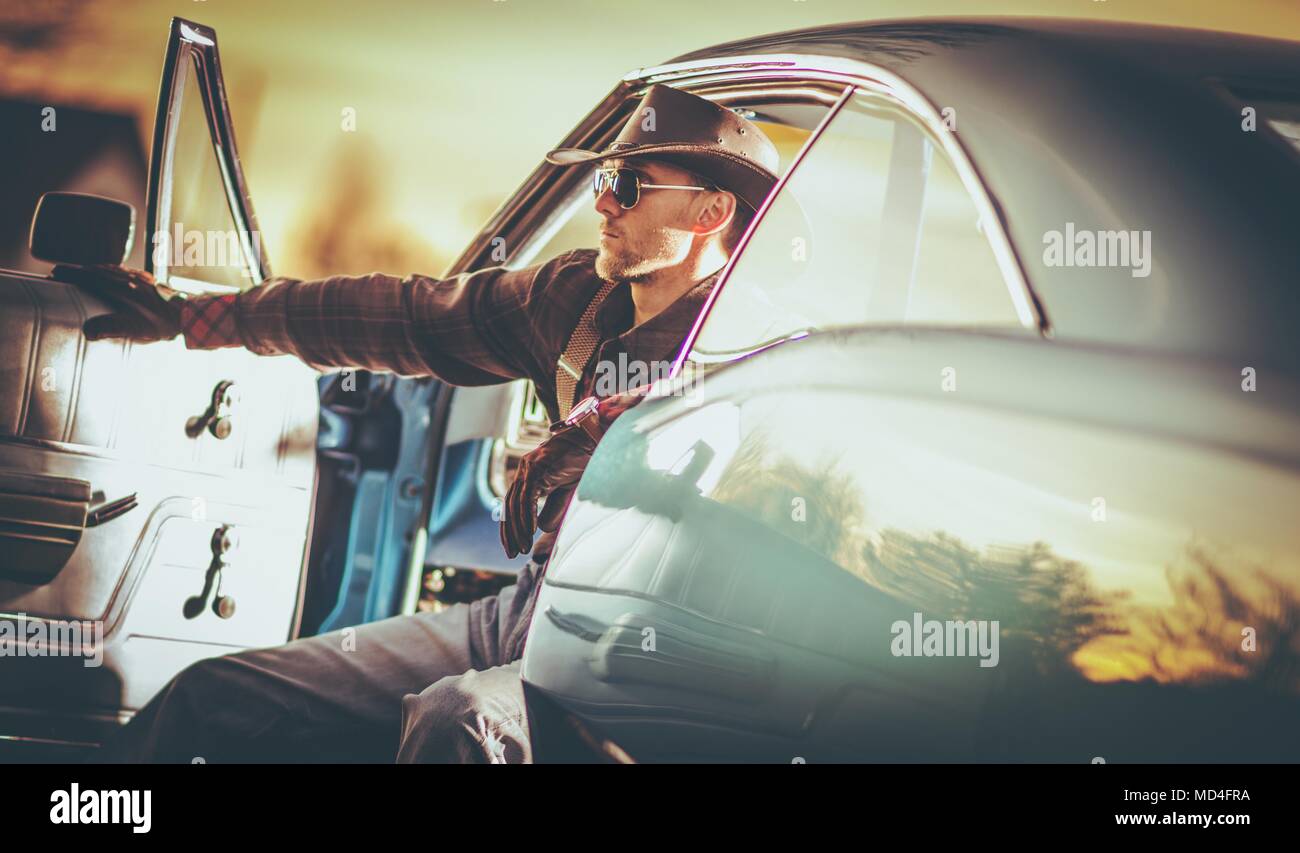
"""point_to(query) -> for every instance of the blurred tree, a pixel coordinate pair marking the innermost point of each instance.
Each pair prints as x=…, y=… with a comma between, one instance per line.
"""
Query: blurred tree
x=348, y=229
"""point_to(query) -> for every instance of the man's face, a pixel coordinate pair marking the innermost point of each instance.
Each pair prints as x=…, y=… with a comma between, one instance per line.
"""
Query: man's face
x=658, y=231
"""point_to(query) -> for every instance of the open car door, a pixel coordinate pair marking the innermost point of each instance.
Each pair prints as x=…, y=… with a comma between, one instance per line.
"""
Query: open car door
x=155, y=501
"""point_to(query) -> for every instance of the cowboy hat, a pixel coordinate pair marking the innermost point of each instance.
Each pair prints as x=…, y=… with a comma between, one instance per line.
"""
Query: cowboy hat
x=694, y=134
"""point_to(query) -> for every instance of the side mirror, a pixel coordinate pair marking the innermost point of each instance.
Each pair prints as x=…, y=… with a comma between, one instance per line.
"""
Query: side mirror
x=82, y=229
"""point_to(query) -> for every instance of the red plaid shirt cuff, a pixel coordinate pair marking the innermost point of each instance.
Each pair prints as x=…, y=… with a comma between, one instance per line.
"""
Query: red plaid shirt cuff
x=209, y=322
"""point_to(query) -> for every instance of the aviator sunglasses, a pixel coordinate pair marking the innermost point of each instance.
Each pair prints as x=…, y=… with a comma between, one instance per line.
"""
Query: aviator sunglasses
x=626, y=186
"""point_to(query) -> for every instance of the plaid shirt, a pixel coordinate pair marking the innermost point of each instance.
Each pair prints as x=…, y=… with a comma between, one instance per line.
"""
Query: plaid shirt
x=478, y=328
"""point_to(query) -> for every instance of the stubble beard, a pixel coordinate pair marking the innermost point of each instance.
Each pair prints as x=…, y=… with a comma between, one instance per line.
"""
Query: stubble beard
x=620, y=263
x=613, y=266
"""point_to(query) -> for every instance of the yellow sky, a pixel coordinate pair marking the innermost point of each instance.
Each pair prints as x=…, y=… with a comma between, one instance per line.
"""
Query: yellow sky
x=457, y=99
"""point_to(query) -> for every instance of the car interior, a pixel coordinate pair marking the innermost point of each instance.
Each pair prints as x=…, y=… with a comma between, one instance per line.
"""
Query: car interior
x=253, y=500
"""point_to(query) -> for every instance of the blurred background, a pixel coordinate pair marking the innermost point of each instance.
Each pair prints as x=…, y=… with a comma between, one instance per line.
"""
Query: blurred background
x=455, y=101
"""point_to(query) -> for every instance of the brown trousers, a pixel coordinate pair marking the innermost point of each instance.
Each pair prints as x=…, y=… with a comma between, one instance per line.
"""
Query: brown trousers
x=430, y=687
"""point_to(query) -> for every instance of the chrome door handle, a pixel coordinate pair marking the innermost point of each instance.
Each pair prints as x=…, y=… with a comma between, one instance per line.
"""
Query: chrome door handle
x=218, y=420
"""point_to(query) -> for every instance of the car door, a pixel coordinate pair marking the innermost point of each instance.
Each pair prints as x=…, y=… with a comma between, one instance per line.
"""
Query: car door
x=897, y=523
x=217, y=448
x=825, y=556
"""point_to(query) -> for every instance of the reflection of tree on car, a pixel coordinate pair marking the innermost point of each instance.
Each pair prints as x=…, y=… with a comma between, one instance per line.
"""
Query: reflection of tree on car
x=927, y=417
x=785, y=536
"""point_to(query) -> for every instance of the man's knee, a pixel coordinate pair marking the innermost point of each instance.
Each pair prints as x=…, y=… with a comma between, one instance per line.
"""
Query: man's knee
x=437, y=723
x=469, y=718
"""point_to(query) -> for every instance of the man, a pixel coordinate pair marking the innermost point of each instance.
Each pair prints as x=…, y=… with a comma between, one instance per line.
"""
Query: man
x=675, y=191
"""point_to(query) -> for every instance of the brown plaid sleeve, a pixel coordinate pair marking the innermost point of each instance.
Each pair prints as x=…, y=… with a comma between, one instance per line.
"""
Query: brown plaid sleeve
x=475, y=328
x=208, y=322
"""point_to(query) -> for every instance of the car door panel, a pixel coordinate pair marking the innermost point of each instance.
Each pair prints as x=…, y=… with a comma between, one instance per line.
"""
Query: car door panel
x=115, y=418
x=780, y=642
x=1123, y=529
x=94, y=410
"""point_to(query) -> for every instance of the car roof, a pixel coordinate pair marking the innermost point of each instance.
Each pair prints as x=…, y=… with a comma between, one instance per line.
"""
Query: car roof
x=1114, y=126
x=920, y=47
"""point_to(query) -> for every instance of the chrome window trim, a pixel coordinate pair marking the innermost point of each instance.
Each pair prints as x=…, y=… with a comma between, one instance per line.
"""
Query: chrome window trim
x=689, y=343
x=194, y=43
x=876, y=80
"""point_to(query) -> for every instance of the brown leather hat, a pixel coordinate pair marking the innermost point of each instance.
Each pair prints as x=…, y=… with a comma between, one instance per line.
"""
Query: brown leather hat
x=695, y=134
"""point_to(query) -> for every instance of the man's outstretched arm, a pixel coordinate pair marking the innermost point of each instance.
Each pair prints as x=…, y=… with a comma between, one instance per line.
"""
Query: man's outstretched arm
x=459, y=329
x=472, y=329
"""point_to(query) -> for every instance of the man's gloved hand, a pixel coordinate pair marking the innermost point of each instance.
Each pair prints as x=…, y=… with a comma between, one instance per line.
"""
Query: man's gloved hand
x=556, y=463
x=147, y=311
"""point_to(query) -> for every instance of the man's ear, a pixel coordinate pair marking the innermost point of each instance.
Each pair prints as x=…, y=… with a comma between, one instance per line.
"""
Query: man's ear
x=715, y=214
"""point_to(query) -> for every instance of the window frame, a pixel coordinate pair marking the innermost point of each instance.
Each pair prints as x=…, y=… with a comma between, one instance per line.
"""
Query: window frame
x=194, y=45
x=870, y=101
x=858, y=75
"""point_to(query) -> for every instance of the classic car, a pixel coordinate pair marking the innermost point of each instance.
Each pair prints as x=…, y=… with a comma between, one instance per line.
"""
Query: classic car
x=993, y=456
x=998, y=458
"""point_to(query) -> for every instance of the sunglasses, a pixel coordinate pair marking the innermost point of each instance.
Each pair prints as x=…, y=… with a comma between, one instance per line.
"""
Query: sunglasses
x=626, y=186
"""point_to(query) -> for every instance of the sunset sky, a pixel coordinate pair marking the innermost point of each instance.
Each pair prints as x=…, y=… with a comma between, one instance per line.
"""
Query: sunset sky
x=456, y=100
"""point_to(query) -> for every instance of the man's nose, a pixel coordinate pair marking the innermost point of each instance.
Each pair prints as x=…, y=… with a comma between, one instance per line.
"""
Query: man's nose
x=606, y=205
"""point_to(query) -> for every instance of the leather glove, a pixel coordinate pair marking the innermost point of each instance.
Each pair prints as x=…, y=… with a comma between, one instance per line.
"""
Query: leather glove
x=555, y=464
x=147, y=311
